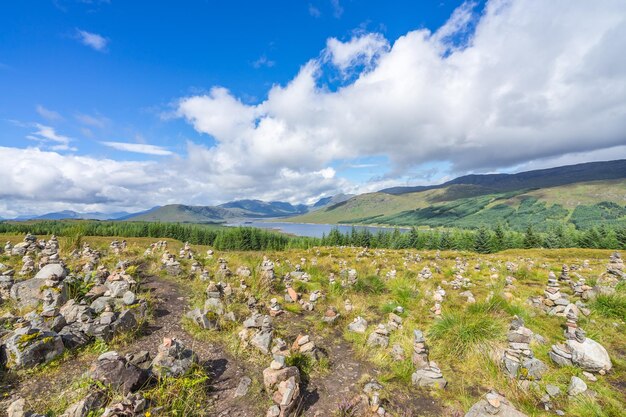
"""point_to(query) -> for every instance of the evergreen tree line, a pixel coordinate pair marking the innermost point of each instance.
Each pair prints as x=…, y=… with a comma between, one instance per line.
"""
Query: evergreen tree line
x=482, y=240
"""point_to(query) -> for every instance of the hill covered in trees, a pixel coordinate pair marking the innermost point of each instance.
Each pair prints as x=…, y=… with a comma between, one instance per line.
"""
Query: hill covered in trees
x=584, y=196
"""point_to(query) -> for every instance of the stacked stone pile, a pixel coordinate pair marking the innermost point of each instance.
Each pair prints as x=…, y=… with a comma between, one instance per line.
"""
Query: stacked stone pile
x=519, y=361
x=579, y=350
x=282, y=383
x=427, y=373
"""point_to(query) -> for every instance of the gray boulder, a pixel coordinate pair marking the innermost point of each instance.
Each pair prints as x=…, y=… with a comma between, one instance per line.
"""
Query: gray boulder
x=173, y=359
x=51, y=269
x=589, y=355
x=92, y=402
x=28, y=347
x=116, y=372
x=493, y=404
x=16, y=409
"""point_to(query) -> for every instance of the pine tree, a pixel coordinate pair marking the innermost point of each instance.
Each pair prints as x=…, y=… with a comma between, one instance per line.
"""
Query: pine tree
x=482, y=241
x=531, y=239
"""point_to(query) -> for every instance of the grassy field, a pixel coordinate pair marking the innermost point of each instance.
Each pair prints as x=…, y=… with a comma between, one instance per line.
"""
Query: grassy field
x=466, y=342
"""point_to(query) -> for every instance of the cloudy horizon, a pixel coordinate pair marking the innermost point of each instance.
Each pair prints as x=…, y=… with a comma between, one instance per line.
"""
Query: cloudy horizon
x=496, y=86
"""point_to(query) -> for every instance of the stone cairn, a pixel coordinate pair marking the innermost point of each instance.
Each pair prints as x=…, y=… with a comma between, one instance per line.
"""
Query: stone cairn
x=331, y=315
x=460, y=282
x=156, y=246
x=581, y=289
x=89, y=257
x=223, y=272
x=305, y=345
x=275, y=309
x=186, y=252
x=257, y=332
x=299, y=274
x=438, y=299
x=554, y=301
x=616, y=266
x=208, y=317
x=267, y=271
x=117, y=247
x=170, y=264
x=427, y=373
x=50, y=252
x=379, y=337
x=358, y=325
x=28, y=265
x=352, y=277
x=580, y=350
x=564, y=277
x=28, y=246
x=282, y=383
x=607, y=282
x=424, y=274
x=493, y=404
x=196, y=268
x=519, y=361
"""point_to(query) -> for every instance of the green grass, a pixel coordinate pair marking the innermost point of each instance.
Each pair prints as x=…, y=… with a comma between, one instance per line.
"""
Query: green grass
x=611, y=305
x=185, y=396
x=371, y=284
x=458, y=334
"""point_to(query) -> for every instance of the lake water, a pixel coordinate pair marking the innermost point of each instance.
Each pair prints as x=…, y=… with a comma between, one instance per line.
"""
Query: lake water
x=308, y=229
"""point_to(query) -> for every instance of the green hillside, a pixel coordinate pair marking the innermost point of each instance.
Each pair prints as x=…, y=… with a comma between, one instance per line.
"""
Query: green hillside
x=243, y=209
x=582, y=204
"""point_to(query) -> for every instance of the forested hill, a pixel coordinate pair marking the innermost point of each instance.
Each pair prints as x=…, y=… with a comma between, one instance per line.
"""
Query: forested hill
x=580, y=199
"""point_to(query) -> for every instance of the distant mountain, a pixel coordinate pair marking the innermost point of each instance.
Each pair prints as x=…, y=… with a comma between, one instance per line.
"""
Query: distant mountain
x=258, y=208
x=235, y=210
x=329, y=201
x=69, y=214
x=551, y=177
x=584, y=195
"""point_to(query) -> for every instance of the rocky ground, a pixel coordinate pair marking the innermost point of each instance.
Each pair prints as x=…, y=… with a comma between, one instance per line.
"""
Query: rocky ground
x=108, y=327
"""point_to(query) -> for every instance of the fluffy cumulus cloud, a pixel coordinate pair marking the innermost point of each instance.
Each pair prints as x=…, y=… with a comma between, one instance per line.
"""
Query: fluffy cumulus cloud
x=522, y=86
x=520, y=83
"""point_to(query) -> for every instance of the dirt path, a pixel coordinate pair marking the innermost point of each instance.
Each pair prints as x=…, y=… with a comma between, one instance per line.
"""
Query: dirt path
x=321, y=396
x=171, y=306
x=346, y=376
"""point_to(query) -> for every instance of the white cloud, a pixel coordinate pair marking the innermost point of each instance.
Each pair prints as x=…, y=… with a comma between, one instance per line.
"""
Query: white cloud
x=263, y=61
x=138, y=148
x=48, y=114
x=47, y=135
x=337, y=8
x=506, y=88
x=314, y=11
x=93, y=121
x=92, y=40
x=523, y=86
x=360, y=50
x=41, y=181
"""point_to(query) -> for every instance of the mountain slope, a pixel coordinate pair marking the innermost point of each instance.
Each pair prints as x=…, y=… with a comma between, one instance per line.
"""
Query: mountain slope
x=583, y=204
x=243, y=209
x=551, y=177
x=258, y=208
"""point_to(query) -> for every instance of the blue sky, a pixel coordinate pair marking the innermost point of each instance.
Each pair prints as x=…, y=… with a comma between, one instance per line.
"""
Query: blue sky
x=155, y=53
x=119, y=105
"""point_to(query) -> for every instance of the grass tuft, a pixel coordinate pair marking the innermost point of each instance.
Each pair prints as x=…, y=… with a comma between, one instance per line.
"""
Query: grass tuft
x=458, y=334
